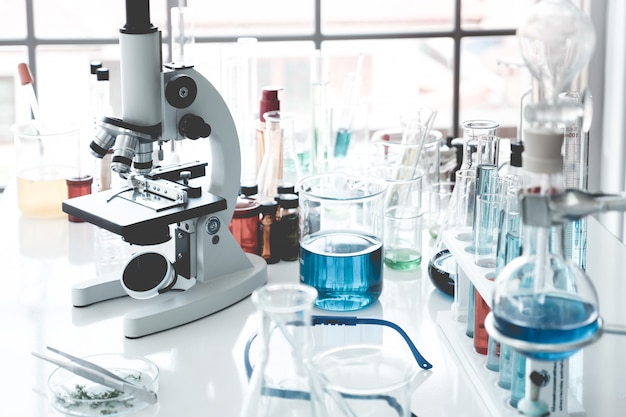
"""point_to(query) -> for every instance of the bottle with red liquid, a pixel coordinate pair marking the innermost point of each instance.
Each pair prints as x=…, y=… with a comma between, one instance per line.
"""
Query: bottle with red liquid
x=245, y=219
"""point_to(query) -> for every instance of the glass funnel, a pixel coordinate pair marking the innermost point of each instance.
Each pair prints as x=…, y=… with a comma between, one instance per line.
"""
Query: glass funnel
x=544, y=305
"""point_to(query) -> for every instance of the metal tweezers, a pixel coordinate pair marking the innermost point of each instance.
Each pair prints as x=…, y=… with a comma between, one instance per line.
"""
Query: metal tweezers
x=100, y=375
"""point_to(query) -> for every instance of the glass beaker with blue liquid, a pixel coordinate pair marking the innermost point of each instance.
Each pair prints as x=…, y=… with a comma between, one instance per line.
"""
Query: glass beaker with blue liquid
x=341, y=239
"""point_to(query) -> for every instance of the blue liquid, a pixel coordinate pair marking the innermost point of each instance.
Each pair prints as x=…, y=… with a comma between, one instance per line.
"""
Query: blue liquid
x=342, y=142
x=559, y=319
x=506, y=364
x=518, y=383
x=346, y=268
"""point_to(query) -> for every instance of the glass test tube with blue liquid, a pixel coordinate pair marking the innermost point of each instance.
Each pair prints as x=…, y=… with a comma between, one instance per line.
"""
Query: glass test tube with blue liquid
x=347, y=109
x=342, y=257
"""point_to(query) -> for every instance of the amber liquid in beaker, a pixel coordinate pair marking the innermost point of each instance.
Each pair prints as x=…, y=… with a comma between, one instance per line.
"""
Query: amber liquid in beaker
x=41, y=198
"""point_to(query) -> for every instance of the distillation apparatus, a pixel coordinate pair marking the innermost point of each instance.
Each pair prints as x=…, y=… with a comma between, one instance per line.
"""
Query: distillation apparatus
x=162, y=103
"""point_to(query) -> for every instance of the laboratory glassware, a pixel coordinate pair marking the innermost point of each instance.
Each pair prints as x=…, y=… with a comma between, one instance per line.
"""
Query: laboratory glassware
x=183, y=35
x=442, y=266
x=575, y=160
x=341, y=239
x=76, y=187
x=556, y=41
x=288, y=224
x=439, y=196
x=245, y=219
x=283, y=123
x=283, y=382
x=543, y=304
x=267, y=232
x=366, y=381
x=347, y=109
x=270, y=174
x=320, y=113
x=269, y=102
x=239, y=87
x=47, y=153
x=403, y=218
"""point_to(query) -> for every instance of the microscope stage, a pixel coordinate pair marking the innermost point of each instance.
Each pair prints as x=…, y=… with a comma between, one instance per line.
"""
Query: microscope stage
x=138, y=220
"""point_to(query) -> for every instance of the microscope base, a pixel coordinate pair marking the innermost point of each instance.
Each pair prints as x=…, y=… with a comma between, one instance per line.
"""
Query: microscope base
x=201, y=300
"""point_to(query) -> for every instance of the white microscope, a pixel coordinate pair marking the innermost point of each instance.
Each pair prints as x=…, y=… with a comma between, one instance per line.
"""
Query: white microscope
x=162, y=103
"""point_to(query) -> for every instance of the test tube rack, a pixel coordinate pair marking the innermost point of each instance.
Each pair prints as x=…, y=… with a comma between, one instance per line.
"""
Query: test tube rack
x=557, y=394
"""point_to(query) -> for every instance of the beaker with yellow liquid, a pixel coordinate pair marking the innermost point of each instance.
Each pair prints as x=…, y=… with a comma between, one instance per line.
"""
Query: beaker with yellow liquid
x=47, y=153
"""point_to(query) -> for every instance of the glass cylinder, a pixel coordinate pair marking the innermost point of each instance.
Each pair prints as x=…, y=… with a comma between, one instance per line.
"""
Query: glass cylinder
x=282, y=383
x=183, y=37
x=341, y=239
x=271, y=170
x=46, y=155
x=472, y=131
x=280, y=123
x=320, y=113
x=239, y=89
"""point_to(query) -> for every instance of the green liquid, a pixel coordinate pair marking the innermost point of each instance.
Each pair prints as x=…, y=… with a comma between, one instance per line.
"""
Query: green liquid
x=403, y=259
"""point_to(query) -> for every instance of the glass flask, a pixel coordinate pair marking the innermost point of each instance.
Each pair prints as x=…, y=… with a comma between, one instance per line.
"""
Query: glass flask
x=544, y=306
x=442, y=268
x=282, y=382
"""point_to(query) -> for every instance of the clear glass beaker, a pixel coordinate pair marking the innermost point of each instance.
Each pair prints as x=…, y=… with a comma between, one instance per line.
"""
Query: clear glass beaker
x=342, y=256
x=472, y=131
x=282, y=383
x=47, y=153
x=365, y=381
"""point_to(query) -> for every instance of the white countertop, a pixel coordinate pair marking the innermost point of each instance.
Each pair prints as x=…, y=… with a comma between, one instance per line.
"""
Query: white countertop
x=201, y=363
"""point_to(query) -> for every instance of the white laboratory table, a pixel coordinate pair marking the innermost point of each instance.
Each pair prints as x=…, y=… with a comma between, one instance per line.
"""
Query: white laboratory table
x=201, y=363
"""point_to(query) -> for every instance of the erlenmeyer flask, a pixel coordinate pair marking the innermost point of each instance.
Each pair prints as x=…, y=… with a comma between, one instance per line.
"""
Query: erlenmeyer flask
x=544, y=306
x=282, y=383
x=442, y=268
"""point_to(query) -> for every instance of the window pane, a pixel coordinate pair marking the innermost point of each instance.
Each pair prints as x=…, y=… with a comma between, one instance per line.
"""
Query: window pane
x=494, y=14
x=13, y=102
x=252, y=18
x=13, y=19
x=370, y=16
x=63, y=80
x=91, y=19
x=492, y=79
x=398, y=75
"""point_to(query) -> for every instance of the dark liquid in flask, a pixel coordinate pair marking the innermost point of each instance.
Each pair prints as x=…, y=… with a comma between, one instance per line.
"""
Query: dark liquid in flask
x=442, y=271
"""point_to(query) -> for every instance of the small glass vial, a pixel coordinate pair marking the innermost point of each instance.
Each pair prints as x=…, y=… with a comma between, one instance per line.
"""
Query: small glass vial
x=245, y=219
x=266, y=232
x=76, y=187
x=288, y=227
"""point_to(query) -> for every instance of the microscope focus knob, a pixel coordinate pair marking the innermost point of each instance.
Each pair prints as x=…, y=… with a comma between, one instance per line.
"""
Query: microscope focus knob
x=193, y=127
x=181, y=91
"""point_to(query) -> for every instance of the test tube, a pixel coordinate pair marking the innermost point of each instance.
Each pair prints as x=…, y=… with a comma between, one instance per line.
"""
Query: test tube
x=321, y=115
x=183, y=37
